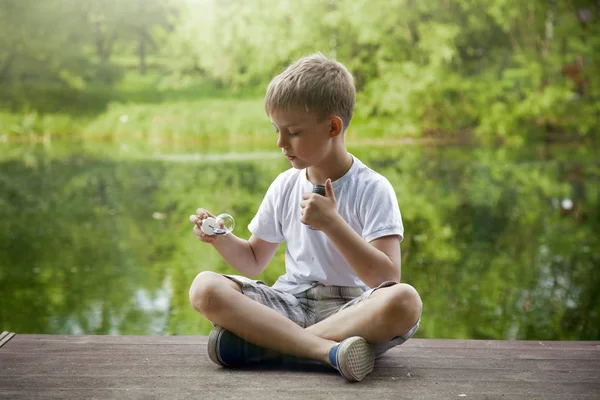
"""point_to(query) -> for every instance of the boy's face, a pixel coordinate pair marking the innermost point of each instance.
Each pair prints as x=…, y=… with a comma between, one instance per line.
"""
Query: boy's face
x=303, y=139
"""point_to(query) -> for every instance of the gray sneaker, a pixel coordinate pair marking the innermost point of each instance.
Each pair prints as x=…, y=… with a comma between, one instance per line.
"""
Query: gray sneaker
x=353, y=358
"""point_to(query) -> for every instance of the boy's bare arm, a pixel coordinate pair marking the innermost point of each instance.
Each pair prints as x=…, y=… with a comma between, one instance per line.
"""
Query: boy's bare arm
x=374, y=262
x=250, y=257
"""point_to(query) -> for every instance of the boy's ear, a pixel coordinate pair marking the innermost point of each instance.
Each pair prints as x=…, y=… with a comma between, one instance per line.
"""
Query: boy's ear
x=336, y=126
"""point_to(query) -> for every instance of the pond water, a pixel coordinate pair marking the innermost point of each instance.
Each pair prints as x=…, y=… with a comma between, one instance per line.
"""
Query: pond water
x=501, y=244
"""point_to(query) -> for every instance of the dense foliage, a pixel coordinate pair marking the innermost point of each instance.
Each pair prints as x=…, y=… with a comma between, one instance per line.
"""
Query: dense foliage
x=497, y=69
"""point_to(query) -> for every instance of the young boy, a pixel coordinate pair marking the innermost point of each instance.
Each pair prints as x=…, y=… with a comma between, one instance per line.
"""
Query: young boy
x=340, y=301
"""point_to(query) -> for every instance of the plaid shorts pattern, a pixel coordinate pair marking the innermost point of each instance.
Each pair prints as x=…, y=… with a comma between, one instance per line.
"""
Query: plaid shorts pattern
x=315, y=304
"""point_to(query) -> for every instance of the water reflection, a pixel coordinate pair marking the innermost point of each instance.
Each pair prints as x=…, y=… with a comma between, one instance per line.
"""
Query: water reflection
x=101, y=244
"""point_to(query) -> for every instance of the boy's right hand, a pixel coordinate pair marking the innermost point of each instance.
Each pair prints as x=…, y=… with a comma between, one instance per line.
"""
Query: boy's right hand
x=197, y=219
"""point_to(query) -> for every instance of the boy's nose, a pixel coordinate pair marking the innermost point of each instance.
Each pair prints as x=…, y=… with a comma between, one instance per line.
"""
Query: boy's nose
x=281, y=142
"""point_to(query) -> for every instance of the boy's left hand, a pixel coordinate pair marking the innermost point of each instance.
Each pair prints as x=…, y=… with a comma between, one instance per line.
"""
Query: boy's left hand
x=316, y=210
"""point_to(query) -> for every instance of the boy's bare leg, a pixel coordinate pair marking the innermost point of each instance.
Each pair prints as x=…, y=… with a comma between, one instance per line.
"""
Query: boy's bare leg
x=389, y=312
x=220, y=300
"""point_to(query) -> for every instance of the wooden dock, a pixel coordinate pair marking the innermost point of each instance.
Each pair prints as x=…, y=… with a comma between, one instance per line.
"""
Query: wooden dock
x=172, y=367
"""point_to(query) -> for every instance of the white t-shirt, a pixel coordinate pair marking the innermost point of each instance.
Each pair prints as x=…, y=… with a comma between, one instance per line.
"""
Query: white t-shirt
x=365, y=200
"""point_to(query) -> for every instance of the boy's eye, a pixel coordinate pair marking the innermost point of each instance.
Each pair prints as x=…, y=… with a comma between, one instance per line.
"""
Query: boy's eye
x=289, y=132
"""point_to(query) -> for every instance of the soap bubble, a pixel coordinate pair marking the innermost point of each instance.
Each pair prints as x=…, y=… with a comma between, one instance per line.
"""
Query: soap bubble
x=567, y=204
x=225, y=224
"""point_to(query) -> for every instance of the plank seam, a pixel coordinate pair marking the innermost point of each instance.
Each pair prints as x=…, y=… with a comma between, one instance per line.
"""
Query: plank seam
x=6, y=338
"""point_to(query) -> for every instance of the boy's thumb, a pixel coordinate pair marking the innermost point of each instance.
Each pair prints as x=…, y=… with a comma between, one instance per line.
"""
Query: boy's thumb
x=329, y=189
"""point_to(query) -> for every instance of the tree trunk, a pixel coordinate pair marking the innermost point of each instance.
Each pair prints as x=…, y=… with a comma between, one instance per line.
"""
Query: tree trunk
x=142, y=52
x=100, y=48
x=6, y=66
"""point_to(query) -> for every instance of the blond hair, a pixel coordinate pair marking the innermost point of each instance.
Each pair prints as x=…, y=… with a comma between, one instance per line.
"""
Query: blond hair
x=316, y=84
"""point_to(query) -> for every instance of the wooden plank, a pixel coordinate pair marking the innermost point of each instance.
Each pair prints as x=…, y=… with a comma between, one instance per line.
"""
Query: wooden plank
x=82, y=349
x=200, y=360
x=297, y=380
x=115, y=340
x=421, y=343
x=499, y=344
x=6, y=336
x=441, y=373
x=202, y=393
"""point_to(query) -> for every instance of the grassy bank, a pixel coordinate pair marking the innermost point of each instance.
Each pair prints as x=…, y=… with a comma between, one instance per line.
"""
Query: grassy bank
x=198, y=120
x=160, y=111
x=218, y=120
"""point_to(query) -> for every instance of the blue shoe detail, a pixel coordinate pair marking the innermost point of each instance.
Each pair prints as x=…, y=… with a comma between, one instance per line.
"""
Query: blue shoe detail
x=333, y=355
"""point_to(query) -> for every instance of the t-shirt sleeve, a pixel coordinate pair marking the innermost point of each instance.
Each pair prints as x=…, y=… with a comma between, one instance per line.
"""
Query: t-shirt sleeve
x=380, y=211
x=266, y=224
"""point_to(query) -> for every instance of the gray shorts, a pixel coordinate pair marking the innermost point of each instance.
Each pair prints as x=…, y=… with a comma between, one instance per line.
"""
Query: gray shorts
x=315, y=304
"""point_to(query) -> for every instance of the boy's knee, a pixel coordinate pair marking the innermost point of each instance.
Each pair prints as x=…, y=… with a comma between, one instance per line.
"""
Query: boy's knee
x=205, y=291
x=404, y=306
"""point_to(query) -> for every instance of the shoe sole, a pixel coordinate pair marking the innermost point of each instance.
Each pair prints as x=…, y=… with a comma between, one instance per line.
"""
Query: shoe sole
x=214, y=339
x=355, y=359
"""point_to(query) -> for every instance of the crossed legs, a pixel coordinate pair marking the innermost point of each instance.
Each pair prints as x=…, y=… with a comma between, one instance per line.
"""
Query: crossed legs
x=389, y=312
